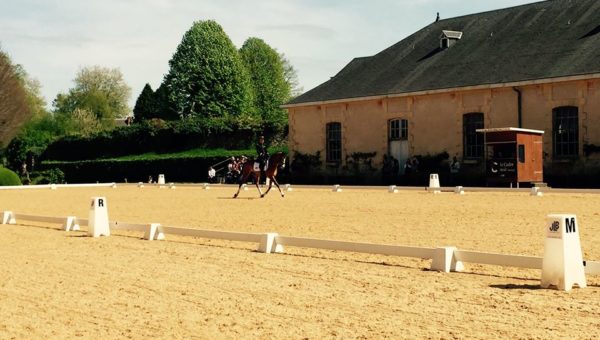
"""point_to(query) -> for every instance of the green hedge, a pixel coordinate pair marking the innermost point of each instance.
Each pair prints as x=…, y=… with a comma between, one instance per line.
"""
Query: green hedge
x=8, y=177
x=191, y=166
x=159, y=137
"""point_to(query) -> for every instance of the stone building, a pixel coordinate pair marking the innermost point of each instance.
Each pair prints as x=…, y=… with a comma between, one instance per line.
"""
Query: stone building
x=535, y=66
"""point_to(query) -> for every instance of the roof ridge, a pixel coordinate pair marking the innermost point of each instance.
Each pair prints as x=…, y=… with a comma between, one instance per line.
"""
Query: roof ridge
x=537, y=3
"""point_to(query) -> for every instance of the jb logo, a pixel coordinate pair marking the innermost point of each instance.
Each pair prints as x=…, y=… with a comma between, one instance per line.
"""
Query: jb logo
x=555, y=225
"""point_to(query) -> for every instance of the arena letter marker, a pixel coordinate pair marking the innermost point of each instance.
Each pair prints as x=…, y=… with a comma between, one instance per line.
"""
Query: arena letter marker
x=563, y=263
x=98, y=218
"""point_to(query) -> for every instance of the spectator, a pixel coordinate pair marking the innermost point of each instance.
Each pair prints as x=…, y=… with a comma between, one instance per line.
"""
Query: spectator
x=455, y=165
x=212, y=175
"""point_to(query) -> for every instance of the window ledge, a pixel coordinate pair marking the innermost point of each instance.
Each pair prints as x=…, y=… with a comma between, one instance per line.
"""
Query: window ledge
x=565, y=160
x=472, y=161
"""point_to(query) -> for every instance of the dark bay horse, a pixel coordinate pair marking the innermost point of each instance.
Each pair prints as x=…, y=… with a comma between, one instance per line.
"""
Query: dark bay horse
x=276, y=161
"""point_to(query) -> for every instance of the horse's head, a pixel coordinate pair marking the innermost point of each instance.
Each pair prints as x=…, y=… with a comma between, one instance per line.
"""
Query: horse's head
x=279, y=159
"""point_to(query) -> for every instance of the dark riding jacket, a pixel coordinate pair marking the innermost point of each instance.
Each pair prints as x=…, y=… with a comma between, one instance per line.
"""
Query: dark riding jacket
x=263, y=154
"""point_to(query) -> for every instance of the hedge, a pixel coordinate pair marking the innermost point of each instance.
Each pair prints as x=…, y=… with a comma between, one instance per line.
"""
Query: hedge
x=175, y=169
x=143, y=138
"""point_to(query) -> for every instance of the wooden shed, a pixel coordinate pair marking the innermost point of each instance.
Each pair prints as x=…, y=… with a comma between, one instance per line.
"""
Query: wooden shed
x=513, y=155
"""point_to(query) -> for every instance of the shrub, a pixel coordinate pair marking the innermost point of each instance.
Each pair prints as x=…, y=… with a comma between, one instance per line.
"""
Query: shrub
x=8, y=177
x=50, y=176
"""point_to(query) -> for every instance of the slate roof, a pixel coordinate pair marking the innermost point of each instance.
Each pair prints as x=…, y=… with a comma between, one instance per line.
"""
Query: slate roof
x=548, y=39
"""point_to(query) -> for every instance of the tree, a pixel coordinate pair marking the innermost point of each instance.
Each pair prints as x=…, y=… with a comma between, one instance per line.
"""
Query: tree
x=267, y=78
x=270, y=89
x=14, y=110
x=291, y=77
x=99, y=90
x=145, y=106
x=32, y=86
x=206, y=76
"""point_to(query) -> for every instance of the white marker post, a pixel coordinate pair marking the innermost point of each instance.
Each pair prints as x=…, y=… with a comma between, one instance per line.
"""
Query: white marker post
x=563, y=263
x=434, y=183
x=98, y=218
x=337, y=188
x=392, y=189
x=535, y=191
x=459, y=190
x=288, y=187
x=161, y=179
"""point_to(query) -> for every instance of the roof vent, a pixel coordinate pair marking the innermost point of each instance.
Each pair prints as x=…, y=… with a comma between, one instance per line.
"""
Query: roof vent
x=449, y=38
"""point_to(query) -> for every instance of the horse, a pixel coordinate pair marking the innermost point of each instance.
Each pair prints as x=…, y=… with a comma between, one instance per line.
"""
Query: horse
x=276, y=161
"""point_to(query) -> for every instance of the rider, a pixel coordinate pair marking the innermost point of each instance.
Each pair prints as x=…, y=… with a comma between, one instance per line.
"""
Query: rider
x=263, y=154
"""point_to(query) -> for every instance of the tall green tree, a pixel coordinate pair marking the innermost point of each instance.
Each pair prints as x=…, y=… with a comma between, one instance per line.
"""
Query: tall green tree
x=99, y=90
x=145, y=106
x=14, y=108
x=267, y=78
x=206, y=76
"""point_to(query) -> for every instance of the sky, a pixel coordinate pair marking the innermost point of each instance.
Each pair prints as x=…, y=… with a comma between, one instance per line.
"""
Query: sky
x=53, y=39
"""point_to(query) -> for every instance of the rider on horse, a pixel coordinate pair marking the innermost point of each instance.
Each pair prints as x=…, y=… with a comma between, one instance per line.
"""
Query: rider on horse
x=263, y=155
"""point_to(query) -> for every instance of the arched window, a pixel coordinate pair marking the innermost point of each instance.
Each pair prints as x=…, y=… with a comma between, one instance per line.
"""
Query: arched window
x=565, y=131
x=334, y=141
x=472, y=140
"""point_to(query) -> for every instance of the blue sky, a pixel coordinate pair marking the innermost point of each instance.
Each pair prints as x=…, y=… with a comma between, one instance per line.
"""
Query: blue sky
x=52, y=39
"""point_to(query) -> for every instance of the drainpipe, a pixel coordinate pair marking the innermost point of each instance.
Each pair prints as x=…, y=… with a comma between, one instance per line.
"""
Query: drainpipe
x=519, y=107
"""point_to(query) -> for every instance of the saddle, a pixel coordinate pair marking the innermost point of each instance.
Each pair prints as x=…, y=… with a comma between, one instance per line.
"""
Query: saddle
x=257, y=166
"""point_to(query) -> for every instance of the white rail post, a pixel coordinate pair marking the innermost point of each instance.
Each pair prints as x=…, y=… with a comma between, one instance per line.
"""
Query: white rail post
x=444, y=260
x=8, y=218
x=392, y=189
x=268, y=244
x=161, y=179
x=337, y=188
x=434, y=183
x=98, y=220
x=154, y=232
x=459, y=190
x=71, y=224
x=563, y=263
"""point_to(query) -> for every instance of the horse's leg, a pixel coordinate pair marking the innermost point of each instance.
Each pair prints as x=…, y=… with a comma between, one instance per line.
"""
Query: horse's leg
x=270, y=181
x=257, y=177
x=278, y=187
x=243, y=178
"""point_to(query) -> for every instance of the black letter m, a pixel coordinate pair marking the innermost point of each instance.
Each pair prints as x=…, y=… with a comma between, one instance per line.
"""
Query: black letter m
x=570, y=225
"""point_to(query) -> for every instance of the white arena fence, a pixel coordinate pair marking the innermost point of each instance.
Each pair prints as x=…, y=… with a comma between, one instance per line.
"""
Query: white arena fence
x=443, y=259
x=56, y=186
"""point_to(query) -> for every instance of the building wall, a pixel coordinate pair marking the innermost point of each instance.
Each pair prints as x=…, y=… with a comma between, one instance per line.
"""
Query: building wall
x=435, y=121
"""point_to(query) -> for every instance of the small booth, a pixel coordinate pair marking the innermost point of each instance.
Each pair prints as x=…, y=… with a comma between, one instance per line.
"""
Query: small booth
x=513, y=156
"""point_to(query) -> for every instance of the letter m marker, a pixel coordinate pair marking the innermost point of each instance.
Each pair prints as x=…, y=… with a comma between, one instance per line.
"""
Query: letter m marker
x=570, y=225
